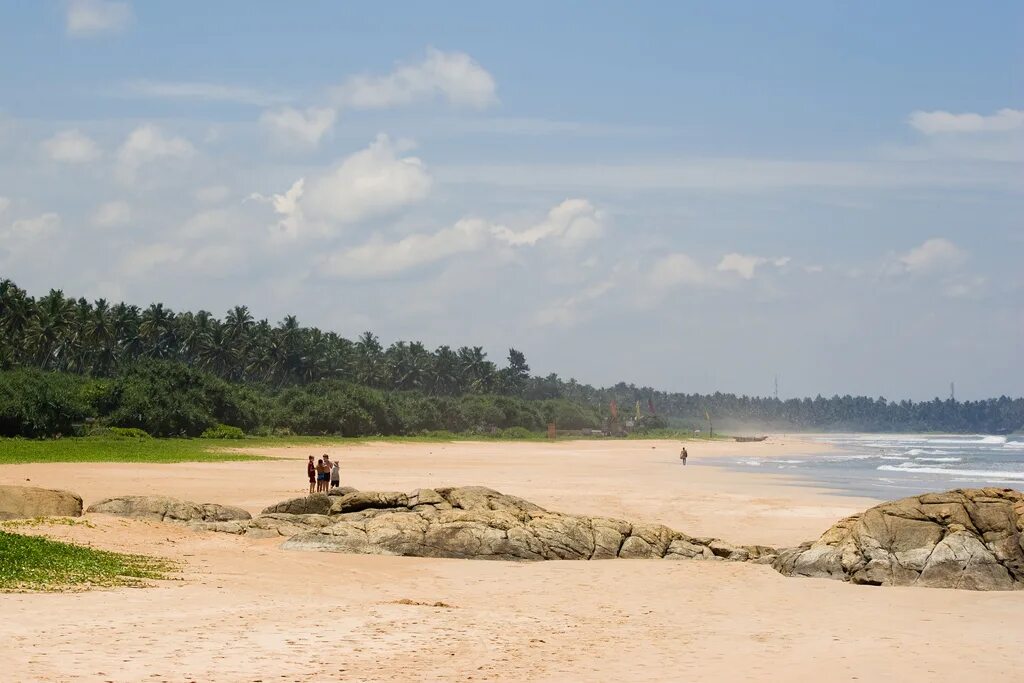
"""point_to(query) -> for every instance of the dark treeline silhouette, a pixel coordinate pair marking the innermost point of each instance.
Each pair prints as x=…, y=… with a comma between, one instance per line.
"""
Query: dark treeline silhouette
x=279, y=362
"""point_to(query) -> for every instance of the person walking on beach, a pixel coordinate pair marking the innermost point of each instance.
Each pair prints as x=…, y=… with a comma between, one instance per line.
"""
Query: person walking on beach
x=311, y=472
x=683, y=455
x=335, y=474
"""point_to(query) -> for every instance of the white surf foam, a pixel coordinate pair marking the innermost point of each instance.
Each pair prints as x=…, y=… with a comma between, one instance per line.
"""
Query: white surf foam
x=973, y=474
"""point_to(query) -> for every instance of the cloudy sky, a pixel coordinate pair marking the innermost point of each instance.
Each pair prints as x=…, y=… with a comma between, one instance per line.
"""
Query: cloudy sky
x=685, y=195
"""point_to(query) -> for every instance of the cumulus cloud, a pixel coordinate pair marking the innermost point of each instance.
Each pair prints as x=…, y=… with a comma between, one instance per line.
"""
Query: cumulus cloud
x=148, y=144
x=571, y=223
x=71, y=147
x=294, y=126
x=87, y=18
x=938, y=122
x=27, y=238
x=112, y=214
x=933, y=256
x=746, y=265
x=371, y=182
x=677, y=269
x=382, y=259
x=454, y=76
x=290, y=224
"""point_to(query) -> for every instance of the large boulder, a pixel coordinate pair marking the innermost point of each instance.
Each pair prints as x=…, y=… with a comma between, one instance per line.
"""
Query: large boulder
x=479, y=523
x=314, y=504
x=164, y=508
x=25, y=502
x=967, y=538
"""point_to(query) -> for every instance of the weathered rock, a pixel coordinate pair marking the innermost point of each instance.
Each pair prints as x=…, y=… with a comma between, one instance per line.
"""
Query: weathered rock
x=967, y=538
x=164, y=508
x=479, y=523
x=315, y=504
x=341, y=491
x=25, y=502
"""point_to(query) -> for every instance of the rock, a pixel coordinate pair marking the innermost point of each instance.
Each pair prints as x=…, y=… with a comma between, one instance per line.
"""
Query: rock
x=479, y=523
x=25, y=502
x=164, y=508
x=967, y=538
x=315, y=504
x=341, y=491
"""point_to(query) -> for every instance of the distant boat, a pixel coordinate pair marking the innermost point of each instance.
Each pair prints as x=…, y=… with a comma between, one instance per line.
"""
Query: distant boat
x=745, y=439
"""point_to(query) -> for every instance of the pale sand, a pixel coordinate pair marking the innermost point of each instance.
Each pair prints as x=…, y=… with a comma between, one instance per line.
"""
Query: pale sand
x=244, y=610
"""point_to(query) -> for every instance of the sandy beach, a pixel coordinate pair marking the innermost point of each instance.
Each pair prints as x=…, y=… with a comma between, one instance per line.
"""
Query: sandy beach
x=243, y=610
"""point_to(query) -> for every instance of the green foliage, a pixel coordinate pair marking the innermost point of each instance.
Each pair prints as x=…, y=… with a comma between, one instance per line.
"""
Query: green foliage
x=34, y=563
x=64, y=360
x=222, y=431
x=120, y=449
x=129, y=433
x=518, y=433
x=36, y=403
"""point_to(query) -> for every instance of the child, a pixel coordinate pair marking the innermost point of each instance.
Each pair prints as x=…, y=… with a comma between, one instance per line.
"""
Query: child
x=311, y=472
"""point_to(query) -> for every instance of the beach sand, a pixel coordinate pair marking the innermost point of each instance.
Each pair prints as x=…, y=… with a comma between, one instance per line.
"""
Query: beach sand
x=244, y=610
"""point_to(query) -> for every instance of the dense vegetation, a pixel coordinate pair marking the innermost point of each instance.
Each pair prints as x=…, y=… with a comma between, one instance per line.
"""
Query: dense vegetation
x=69, y=364
x=33, y=563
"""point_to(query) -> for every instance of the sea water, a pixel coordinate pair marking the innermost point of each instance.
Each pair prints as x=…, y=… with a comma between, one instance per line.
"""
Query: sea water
x=898, y=465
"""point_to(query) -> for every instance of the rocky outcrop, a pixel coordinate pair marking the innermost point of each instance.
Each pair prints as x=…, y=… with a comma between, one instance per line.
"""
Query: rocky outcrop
x=967, y=538
x=163, y=508
x=25, y=502
x=472, y=523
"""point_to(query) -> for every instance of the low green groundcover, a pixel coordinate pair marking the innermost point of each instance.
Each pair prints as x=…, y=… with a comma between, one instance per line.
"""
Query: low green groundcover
x=35, y=563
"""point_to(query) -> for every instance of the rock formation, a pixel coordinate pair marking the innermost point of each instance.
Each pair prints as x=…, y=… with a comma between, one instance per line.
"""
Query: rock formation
x=471, y=522
x=967, y=538
x=24, y=502
x=163, y=508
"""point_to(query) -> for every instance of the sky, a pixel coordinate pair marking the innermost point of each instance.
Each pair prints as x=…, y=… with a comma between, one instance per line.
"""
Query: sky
x=693, y=196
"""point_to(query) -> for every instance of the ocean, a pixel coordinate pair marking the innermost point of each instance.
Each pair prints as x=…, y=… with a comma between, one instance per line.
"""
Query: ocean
x=892, y=466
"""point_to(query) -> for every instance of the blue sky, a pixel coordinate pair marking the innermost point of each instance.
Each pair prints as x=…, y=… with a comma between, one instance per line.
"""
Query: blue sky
x=694, y=196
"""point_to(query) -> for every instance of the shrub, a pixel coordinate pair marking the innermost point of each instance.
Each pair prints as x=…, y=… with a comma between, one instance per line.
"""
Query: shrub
x=222, y=431
x=35, y=403
x=517, y=433
x=129, y=433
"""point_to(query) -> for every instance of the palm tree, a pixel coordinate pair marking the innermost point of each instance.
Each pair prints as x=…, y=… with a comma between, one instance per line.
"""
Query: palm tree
x=156, y=332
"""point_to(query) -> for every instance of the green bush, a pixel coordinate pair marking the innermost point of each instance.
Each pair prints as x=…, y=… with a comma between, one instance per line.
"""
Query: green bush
x=129, y=433
x=222, y=431
x=517, y=433
x=34, y=403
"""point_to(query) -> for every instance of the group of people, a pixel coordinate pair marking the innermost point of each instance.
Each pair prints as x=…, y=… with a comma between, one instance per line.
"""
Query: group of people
x=323, y=474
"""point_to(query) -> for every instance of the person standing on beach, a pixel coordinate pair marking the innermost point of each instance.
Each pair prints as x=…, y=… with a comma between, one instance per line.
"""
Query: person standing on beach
x=683, y=455
x=311, y=471
x=320, y=475
x=335, y=474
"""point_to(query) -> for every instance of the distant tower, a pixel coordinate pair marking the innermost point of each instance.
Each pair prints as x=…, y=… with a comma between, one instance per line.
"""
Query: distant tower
x=776, y=387
x=952, y=392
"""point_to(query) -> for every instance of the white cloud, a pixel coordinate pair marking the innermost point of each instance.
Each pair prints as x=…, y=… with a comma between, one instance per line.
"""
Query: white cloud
x=71, y=147
x=112, y=214
x=937, y=122
x=371, y=182
x=5, y=204
x=29, y=229
x=965, y=287
x=746, y=265
x=571, y=223
x=382, y=259
x=569, y=311
x=451, y=75
x=306, y=127
x=678, y=269
x=147, y=144
x=194, y=90
x=141, y=260
x=934, y=255
x=87, y=18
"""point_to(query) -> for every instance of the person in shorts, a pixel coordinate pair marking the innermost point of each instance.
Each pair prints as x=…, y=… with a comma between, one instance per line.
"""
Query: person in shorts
x=311, y=472
x=335, y=474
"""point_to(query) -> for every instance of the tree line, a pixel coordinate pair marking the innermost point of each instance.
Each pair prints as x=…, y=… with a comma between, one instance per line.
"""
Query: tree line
x=109, y=346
